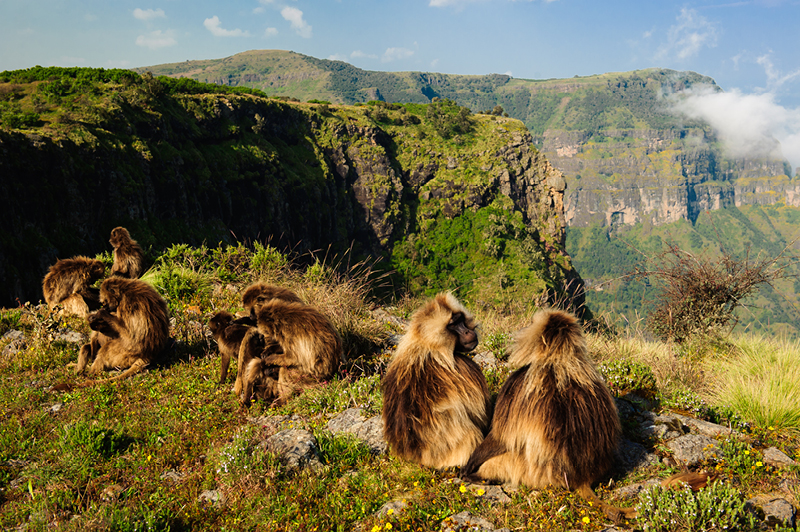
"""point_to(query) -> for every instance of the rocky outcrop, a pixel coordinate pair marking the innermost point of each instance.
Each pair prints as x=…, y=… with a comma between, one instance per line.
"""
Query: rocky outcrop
x=624, y=177
x=223, y=167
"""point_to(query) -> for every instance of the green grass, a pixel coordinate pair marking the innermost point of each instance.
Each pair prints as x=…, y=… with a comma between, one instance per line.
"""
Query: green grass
x=138, y=454
x=760, y=380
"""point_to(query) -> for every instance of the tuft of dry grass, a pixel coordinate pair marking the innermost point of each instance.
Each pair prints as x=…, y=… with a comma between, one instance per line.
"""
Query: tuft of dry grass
x=760, y=380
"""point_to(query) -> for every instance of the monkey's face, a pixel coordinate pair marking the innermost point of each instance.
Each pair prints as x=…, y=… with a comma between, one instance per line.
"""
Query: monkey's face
x=219, y=322
x=466, y=337
x=97, y=270
x=110, y=294
x=118, y=236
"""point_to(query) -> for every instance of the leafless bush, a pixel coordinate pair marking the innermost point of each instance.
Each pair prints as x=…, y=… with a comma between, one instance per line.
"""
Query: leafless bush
x=699, y=294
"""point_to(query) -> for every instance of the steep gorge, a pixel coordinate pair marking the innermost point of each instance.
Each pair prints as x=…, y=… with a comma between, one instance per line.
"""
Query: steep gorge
x=197, y=167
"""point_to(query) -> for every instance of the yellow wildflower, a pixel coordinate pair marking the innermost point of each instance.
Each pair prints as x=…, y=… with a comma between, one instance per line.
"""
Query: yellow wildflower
x=462, y=488
x=759, y=464
x=480, y=492
x=585, y=520
x=390, y=511
x=388, y=526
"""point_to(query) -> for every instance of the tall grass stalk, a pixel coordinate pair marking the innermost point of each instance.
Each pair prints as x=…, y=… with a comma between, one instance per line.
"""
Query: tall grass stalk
x=760, y=380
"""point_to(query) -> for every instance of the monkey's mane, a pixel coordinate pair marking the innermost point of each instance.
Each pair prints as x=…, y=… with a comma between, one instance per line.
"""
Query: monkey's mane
x=555, y=341
x=428, y=335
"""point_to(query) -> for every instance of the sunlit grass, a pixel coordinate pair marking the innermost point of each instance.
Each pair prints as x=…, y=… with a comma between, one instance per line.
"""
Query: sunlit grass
x=137, y=454
x=760, y=380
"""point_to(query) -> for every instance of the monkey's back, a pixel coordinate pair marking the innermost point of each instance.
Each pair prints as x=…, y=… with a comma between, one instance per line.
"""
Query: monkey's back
x=433, y=415
x=305, y=333
x=145, y=314
x=67, y=276
x=560, y=430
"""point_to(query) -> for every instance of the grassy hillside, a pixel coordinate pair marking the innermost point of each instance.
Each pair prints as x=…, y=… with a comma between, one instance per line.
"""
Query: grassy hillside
x=176, y=160
x=589, y=103
x=156, y=451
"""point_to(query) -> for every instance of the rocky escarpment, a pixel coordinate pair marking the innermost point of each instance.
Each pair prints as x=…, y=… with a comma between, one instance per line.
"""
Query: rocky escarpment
x=659, y=176
x=223, y=167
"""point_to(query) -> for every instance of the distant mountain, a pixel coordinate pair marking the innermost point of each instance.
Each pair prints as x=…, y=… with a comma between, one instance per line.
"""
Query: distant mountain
x=633, y=169
x=444, y=199
x=625, y=157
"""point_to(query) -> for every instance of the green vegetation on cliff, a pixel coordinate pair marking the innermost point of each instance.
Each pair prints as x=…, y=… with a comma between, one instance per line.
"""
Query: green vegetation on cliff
x=590, y=103
x=176, y=160
x=752, y=233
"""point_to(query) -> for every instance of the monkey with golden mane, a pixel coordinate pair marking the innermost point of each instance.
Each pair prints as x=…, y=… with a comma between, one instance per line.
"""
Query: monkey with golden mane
x=128, y=256
x=68, y=284
x=555, y=422
x=297, y=343
x=131, y=330
x=436, y=405
x=254, y=296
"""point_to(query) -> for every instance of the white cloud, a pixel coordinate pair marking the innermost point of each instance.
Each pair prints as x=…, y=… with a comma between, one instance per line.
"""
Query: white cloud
x=148, y=14
x=213, y=25
x=337, y=57
x=395, y=54
x=157, y=39
x=295, y=17
x=748, y=124
x=270, y=32
x=775, y=78
x=688, y=36
x=259, y=10
x=358, y=54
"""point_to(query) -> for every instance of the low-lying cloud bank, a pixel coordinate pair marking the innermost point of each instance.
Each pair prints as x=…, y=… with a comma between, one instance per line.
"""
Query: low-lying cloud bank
x=750, y=125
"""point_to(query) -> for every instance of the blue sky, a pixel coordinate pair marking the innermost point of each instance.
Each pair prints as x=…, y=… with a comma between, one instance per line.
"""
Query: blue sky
x=751, y=48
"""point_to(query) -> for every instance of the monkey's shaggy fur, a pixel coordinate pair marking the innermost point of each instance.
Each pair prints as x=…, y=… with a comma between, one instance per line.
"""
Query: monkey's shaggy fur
x=435, y=400
x=69, y=282
x=555, y=422
x=130, y=331
x=128, y=256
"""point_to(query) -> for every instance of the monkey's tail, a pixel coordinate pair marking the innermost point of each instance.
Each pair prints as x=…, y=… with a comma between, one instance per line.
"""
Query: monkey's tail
x=615, y=513
x=137, y=367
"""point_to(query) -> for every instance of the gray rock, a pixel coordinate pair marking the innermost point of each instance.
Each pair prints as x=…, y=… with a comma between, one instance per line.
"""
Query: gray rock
x=213, y=497
x=705, y=428
x=296, y=449
x=486, y=360
x=774, y=511
x=493, y=494
x=632, y=491
x=71, y=337
x=16, y=342
x=111, y=493
x=691, y=449
x=465, y=521
x=775, y=457
x=368, y=430
x=664, y=427
x=625, y=409
x=54, y=408
x=395, y=507
x=630, y=455
x=172, y=475
x=274, y=424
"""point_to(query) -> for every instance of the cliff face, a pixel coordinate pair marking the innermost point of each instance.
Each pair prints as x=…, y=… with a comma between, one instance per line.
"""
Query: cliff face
x=222, y=167
x=658, y=176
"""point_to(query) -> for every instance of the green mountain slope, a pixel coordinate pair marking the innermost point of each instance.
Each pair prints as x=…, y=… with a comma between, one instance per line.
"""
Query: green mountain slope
x=748, y=233
x=615, y=100
x=448, y=200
